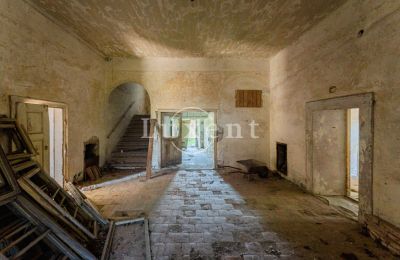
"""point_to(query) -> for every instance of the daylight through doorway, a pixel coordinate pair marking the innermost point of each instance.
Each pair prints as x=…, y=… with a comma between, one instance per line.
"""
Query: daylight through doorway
x=353, y=131
x=198, y=140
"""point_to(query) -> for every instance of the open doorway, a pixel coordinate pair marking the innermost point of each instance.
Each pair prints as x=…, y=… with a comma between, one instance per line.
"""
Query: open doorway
x=339, y=155
x=335, y=156
x=127, y=115
x=353, y=142
x=188, y=139
x=197, y=140
x=45, y=124
x=56, y=141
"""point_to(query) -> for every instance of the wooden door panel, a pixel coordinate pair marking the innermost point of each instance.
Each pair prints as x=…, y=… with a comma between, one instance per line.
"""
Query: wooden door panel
x=34, y=122
x=35, y=119
x=171, y=141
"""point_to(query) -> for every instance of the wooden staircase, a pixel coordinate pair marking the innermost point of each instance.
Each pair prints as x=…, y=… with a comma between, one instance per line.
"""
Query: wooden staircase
x=131, y=150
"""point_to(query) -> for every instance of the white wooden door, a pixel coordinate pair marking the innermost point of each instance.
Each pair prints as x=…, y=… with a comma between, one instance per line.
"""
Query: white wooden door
x=35, y=119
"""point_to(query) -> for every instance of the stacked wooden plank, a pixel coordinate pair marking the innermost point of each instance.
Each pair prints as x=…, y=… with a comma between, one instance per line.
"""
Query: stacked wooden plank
x=85, y=203
x=384, y=232
x=45, y=190
x=93, y=173
x=38, y=218
x=20, y=237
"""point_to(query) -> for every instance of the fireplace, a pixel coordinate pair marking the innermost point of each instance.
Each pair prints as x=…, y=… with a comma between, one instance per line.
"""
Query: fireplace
x=281, y=158
x=91, y=152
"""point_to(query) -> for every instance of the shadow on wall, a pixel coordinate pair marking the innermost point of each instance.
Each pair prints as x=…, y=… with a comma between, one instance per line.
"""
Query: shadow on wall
x=125, y=101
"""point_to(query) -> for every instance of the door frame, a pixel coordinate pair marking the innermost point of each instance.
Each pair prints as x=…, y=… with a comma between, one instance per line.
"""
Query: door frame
x=215, y=111
x=15, y=100
x=364, y=102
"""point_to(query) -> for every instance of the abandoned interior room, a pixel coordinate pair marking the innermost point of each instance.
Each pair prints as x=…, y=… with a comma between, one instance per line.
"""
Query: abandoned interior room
x=200, y=129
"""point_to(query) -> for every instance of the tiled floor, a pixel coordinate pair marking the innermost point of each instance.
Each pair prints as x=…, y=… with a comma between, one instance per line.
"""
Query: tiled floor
x=202, y=217
x=194, y=158
x=205, y=214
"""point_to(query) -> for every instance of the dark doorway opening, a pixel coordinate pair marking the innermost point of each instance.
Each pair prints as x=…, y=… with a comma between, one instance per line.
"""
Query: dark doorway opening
x=91, y=153
x=281, y=158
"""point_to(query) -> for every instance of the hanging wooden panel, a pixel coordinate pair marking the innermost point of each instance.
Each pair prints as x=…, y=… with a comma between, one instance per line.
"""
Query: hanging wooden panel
x=248, y=98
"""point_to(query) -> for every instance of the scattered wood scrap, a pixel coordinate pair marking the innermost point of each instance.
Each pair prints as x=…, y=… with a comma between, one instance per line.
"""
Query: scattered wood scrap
x=93, y=173
x=41, y=220
x=384, y=232
x=85, y=203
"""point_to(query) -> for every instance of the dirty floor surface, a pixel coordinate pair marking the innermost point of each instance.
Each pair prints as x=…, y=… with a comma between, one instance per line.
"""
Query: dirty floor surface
x=209, y=215
x=130, y=199
x=133, y=248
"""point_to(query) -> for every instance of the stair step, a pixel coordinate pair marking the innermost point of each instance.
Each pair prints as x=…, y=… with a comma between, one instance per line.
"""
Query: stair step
x=127, y=161
x=127, y=166
x=126, y=149
x=135, y=135
x=128, y=155
x=132, y=130
x=129, y=148
x=124, y=140
x=132, y=145
x=133, y=142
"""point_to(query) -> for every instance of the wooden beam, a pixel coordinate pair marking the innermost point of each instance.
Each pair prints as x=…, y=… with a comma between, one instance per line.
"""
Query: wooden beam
x=108, y=243
x=147, y=239
x=153, y=123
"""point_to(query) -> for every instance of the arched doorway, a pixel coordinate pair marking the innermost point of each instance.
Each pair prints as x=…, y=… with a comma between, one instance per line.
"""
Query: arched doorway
x=127, y=114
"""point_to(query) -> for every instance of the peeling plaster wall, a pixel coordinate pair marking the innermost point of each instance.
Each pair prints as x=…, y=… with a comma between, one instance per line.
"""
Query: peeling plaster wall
x=176, y=83
x=332, y=54
x=120, y=99
x=40, y=60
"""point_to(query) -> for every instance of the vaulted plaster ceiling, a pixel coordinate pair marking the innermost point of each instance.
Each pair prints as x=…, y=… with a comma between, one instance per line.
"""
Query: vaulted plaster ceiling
x=182, y=28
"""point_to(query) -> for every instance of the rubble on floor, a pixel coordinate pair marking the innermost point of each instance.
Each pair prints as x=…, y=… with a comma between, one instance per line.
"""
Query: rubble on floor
x=93, y=173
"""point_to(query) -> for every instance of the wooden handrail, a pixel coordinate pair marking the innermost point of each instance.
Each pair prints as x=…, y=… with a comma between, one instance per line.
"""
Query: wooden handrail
x=120, y=119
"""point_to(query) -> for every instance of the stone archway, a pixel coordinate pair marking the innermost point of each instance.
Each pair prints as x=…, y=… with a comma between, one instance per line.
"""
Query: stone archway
x=123, y=102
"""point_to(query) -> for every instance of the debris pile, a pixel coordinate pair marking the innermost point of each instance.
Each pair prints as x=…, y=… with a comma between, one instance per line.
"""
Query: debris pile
x=38, y=218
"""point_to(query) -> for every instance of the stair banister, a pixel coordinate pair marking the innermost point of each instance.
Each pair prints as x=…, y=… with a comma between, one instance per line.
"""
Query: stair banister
x=120, y=119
